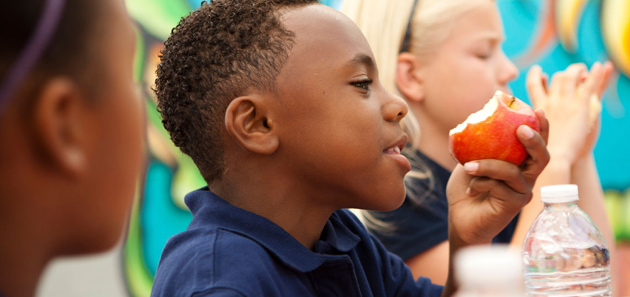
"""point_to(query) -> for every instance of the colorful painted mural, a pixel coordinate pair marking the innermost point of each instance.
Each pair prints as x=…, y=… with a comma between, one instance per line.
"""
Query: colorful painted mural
x=557, y=33
x=551, y=33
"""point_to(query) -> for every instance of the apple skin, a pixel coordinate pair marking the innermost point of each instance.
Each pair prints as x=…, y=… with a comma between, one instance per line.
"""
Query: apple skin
x=491, y=132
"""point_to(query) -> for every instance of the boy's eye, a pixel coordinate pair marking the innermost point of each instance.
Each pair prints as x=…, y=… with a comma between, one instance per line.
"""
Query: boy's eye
x=363, y=84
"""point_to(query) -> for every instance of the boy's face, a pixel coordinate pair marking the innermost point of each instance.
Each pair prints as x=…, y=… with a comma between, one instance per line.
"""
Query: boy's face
x=339, y=128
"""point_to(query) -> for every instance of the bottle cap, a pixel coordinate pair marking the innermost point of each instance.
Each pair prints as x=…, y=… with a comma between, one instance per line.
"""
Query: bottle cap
x=489, y=266
x=559, y=193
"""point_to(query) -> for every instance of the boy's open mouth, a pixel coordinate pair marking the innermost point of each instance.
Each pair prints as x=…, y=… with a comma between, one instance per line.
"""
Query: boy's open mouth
x=397, y=146
x=393, y=150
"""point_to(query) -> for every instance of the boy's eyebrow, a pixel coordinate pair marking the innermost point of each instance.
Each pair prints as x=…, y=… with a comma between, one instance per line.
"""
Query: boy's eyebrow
x=363, y=59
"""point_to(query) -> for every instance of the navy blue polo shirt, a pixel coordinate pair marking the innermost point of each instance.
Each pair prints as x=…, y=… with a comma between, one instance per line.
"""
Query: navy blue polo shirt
x=228, y=251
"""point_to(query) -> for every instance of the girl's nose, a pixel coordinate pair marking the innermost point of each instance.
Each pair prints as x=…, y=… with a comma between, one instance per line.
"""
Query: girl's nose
x=507, y=70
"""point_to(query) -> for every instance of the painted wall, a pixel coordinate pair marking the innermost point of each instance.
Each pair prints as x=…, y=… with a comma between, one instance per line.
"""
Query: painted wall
x=556, y=33
x=551, y=33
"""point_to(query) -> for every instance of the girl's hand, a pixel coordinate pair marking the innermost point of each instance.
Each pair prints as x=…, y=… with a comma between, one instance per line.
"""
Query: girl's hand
x=567, y=103
x=593, y=134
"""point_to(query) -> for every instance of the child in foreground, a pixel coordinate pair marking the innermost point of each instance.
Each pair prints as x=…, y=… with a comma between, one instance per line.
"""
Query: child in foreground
x=70, y=130
x=279, y=105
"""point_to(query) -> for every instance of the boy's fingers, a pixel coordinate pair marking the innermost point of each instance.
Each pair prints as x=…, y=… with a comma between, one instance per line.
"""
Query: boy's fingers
x=536, y=85
x=498, y=190
x=498, y=170
x=537, y=150
x=544, y=124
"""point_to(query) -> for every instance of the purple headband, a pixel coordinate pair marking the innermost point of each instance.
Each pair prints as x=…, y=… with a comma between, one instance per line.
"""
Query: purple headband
x=35, y=46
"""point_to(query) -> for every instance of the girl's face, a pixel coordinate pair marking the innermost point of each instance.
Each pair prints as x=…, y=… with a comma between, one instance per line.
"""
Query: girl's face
x=462, y=74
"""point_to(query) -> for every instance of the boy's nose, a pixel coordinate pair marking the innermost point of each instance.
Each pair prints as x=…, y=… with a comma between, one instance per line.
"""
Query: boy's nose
x=395, y=108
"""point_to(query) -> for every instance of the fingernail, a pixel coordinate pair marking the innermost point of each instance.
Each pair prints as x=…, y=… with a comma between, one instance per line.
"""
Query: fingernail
x=471, y=166
x=527, y=131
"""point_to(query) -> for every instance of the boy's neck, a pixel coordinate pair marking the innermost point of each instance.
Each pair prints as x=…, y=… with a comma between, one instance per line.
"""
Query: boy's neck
x=293, y=210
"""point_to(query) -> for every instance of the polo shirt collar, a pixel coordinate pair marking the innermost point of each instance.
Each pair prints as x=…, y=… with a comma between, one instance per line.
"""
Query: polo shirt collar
x=211, y=211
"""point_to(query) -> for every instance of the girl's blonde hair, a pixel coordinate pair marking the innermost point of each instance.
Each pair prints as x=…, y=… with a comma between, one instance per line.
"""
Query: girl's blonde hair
x=384, y=23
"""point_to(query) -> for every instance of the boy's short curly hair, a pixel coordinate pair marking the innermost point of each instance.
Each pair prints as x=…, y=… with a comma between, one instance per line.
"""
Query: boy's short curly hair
x=214, y=55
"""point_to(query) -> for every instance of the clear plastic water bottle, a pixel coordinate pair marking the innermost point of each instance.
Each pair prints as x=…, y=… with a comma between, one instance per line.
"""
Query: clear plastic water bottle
x=489, y=271
x=564, y=254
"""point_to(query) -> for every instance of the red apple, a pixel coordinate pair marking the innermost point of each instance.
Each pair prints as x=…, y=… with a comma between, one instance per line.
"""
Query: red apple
x=491, y=132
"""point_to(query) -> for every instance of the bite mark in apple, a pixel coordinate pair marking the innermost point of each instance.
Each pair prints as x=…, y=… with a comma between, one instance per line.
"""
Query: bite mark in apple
x=491, y=132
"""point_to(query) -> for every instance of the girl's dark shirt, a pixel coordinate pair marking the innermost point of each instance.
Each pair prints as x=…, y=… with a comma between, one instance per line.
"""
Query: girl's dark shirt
x=414, y=228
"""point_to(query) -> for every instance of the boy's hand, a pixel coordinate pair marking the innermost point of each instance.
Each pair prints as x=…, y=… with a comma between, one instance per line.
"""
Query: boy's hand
x=485, y=195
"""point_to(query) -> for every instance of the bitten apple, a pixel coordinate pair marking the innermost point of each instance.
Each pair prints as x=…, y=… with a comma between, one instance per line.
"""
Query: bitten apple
x=491, y=132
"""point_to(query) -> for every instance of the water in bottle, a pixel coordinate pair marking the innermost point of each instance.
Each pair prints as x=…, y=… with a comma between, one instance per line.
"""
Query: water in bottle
x=564, y=254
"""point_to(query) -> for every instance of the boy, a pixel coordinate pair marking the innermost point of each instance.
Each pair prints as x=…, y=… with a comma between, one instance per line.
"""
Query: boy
x=71, y=130
x=279, y=105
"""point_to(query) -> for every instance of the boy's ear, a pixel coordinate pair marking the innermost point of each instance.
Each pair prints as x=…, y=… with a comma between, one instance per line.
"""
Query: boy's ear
x=247, y=120
x=60, y=126
x=408, y=81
